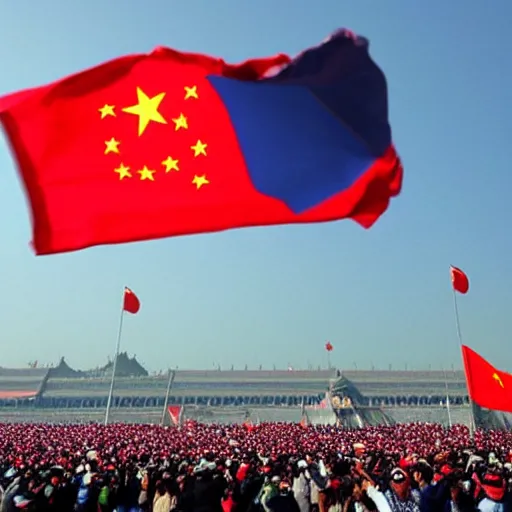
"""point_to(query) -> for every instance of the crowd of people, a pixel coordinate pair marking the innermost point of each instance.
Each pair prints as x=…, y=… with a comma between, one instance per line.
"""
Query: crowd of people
x=271, y=467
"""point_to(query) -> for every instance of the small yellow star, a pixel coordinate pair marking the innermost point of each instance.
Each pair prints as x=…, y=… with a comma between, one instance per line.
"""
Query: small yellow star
x=107, y=110
x=191, y=92
x=496, y=377
x=170, y=164
x=111, y=146
x=146, y=174
x=199, y=181
x=123, y=171
x=180, y=122
x=146, y=109
x=199, y=148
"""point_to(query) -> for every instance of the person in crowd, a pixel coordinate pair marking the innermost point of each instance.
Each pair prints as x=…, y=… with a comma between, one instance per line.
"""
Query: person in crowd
x=301, y=487
x=284, y=500
x=398, y=496
x=165, y=499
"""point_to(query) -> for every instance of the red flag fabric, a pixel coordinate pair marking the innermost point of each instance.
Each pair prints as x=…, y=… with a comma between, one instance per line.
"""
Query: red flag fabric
x=248, y=425
x=460, y=281
x=175, y=414
x=170, y=143
x=131, y=302
x=488, y=387
x=329, y=347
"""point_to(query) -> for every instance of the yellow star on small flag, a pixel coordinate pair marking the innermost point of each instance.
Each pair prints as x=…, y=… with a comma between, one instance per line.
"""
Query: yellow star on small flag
x=146, y=174
x=199, y=181
x=170, y=164
x=107, y=110
x=123, y=171
x=191, y=92
x=112, y=146
x=146, y=109
x=180, y=122
x=199, y=148
x=497, y=378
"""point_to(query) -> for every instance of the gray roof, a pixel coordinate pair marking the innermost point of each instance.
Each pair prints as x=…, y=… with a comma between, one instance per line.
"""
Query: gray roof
x=192, y=382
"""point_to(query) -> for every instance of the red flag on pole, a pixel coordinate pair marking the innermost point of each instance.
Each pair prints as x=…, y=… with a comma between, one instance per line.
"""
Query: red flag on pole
x=131, y=301
x=460, y=281
x=329, y=347
x=487, y=386
x=175, y=414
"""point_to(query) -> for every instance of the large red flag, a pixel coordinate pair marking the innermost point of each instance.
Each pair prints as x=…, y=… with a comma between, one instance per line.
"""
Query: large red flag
x=170, y=143
x=131, y=302
x=460, y=281
x=488, y=387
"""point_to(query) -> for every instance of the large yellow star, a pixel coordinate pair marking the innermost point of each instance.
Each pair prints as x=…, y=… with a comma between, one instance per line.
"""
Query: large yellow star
x=170, y=164
x=191, y=92
x=146, y=109
x=107, y=110
x=180, y=122
x=199, y=181
x=112, y=146
x=123, y=171
x=146, y=174
x=199, y=148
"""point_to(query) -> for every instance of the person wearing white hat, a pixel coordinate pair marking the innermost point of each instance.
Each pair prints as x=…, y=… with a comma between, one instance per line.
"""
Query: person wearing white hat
x=359, y=450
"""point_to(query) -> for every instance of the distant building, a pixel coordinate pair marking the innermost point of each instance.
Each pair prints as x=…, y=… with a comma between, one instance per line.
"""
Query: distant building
x=352, y=398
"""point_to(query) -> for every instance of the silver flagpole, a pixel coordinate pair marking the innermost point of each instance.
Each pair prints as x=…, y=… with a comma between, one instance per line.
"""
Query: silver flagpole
x=447, y=400
x=172, y=375
x=472, y=424
x=114, y=364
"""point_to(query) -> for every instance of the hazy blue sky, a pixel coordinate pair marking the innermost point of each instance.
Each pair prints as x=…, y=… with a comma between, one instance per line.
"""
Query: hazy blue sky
x=274, y=295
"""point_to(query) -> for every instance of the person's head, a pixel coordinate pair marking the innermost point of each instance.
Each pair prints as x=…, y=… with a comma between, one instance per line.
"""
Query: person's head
x=422, y=473
x=400, y=483
x=160, y=487
x=359, y=450
x=301, y=466
x=284, y=488
x=275, y=480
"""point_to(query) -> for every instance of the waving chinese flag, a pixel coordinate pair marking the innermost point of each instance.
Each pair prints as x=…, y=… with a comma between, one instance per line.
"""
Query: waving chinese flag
x=488, y=387
x=460, y=281
x=131, y=302
x=170, y=143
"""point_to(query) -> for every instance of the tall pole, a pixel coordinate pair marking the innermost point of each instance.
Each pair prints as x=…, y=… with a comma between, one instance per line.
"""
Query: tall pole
x=472, y=424
x=457, y=320
x=447, y=400
x=114, y=364
x=172, y=375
